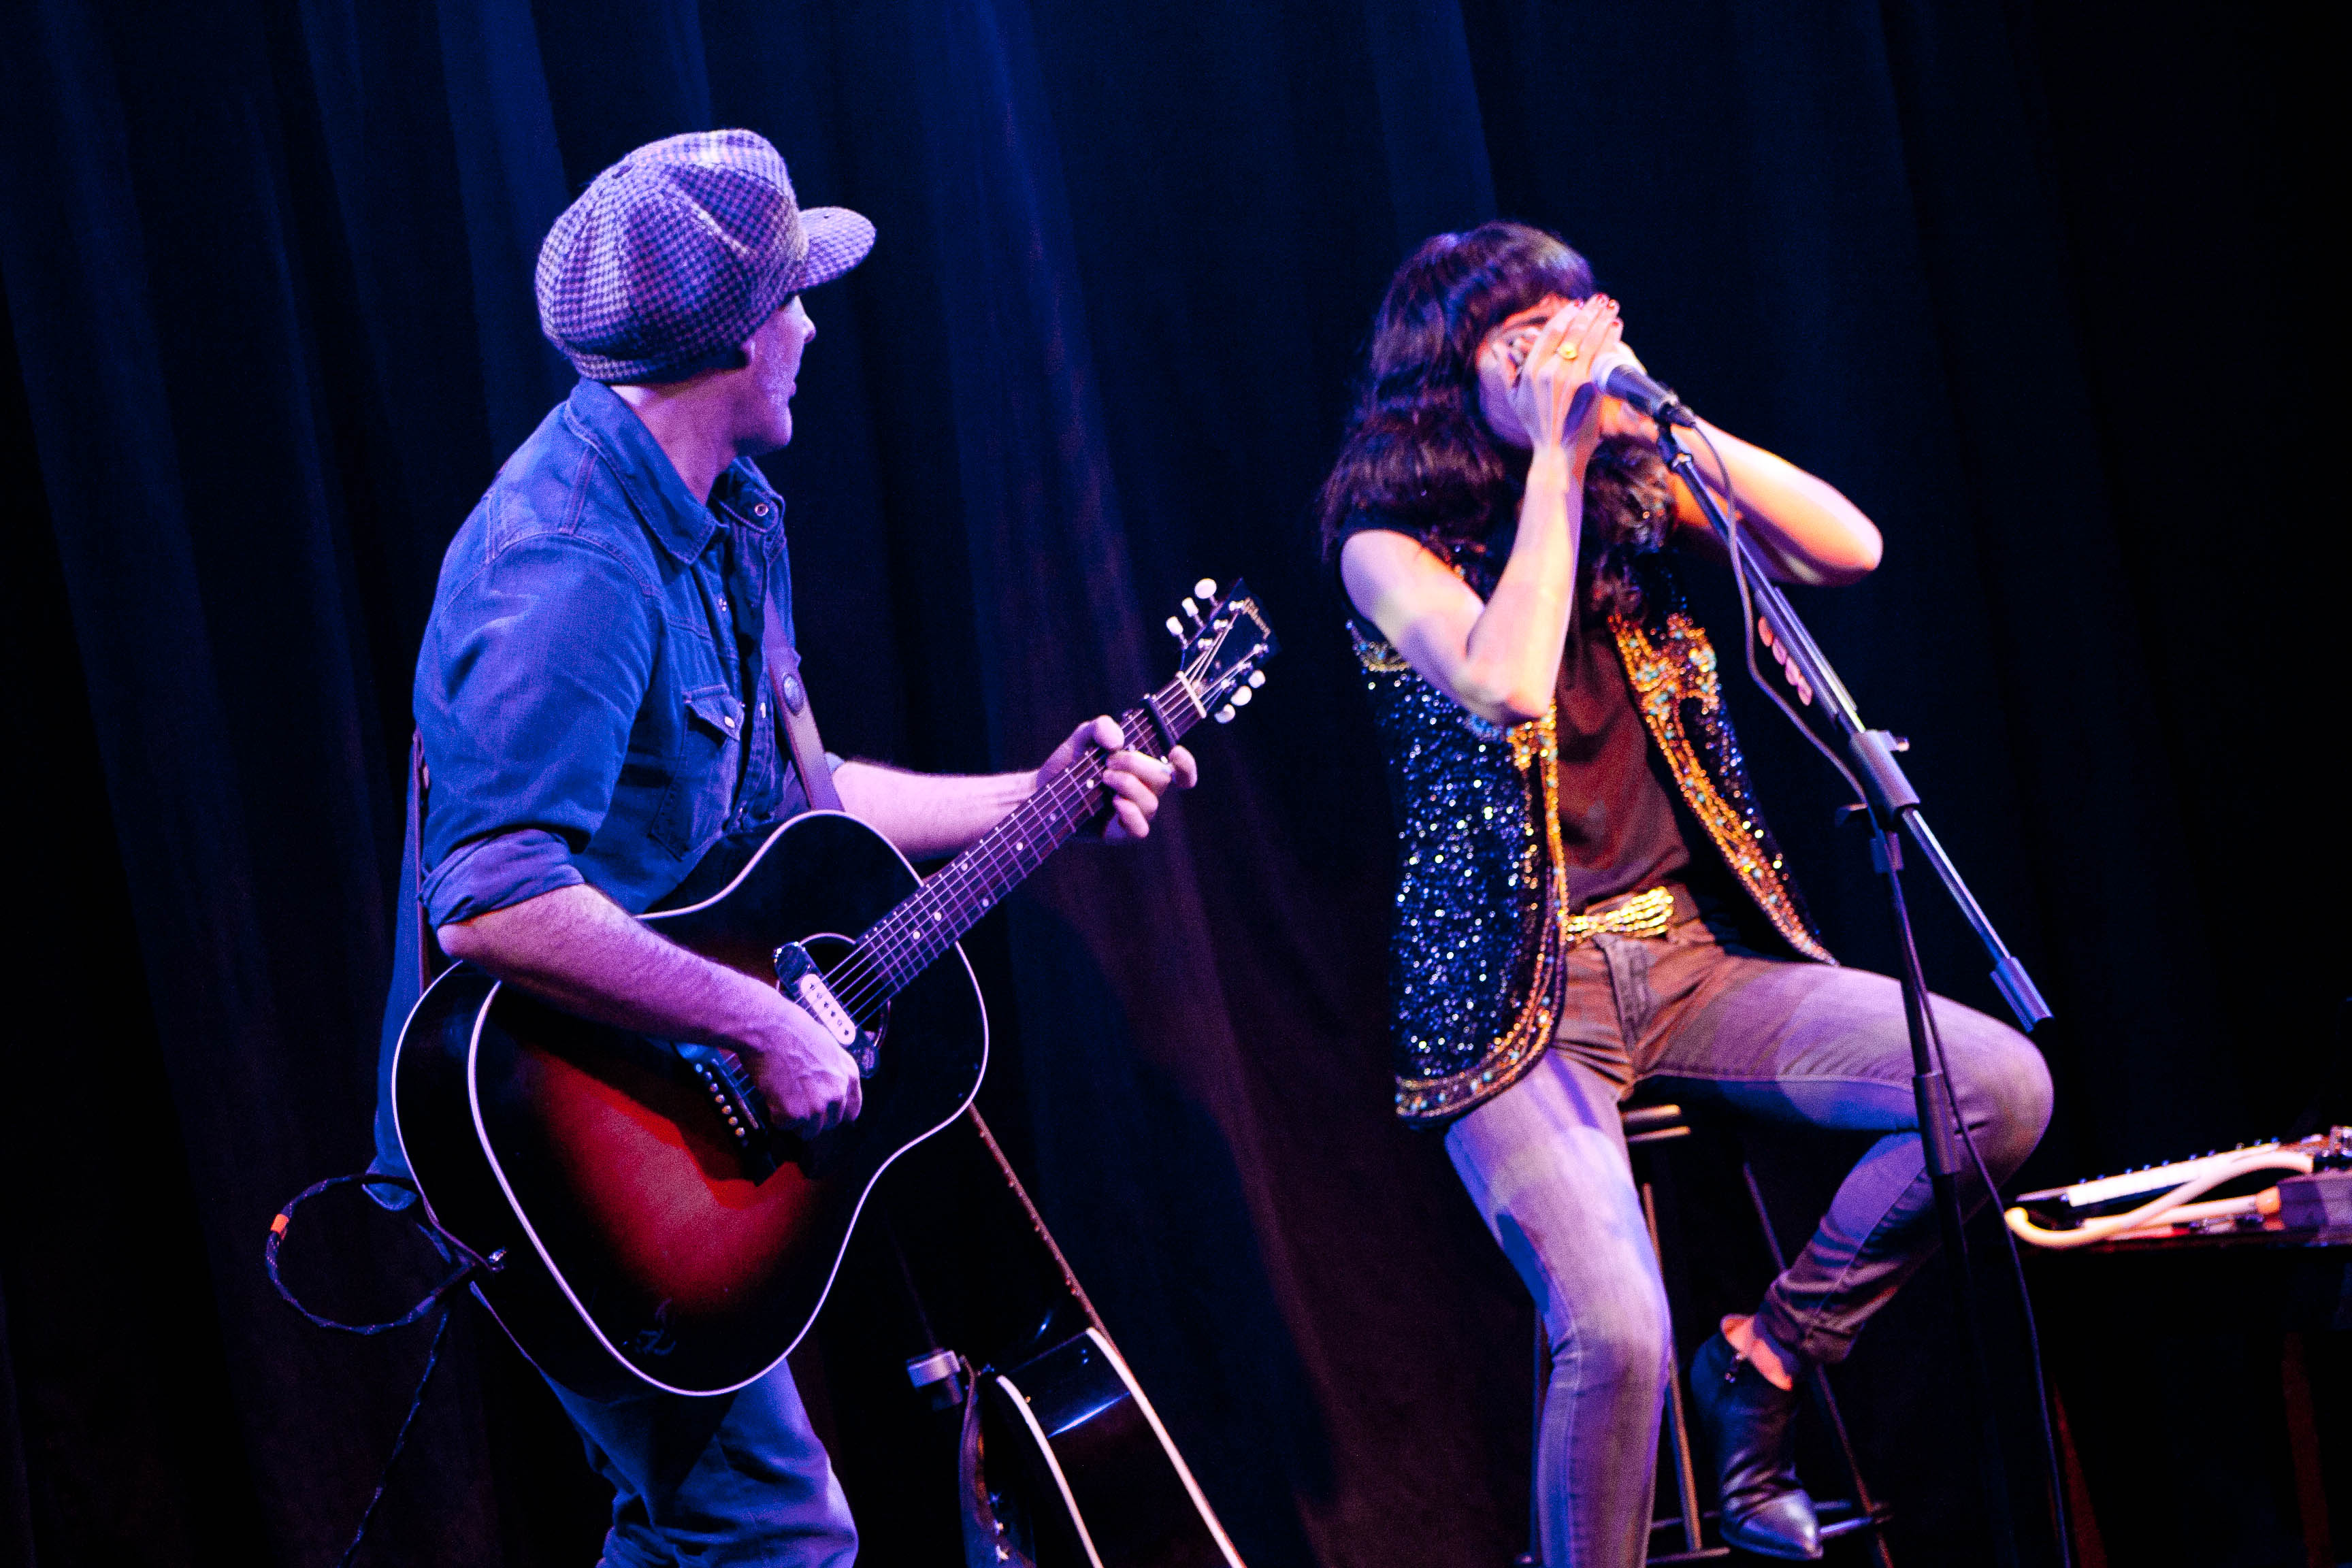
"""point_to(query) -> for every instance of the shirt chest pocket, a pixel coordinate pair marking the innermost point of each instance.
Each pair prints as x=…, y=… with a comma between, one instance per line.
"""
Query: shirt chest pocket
x=703, y=772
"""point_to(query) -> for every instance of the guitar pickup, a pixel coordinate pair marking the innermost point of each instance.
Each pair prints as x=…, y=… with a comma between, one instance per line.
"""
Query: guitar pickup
x=798, y=977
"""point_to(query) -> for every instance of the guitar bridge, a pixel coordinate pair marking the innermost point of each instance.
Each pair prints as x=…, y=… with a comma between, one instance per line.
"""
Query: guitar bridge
x=738, y=1101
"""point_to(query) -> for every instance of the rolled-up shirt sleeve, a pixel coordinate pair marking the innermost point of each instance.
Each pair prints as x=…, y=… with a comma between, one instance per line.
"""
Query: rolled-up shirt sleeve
x=533, y=672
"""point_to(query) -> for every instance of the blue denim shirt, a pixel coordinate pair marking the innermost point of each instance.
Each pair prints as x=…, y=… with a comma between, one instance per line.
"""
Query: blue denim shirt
x=590, y=695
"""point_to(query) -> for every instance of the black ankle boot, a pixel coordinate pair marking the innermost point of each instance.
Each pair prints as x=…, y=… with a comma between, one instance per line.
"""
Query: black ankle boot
x=1751, y=1424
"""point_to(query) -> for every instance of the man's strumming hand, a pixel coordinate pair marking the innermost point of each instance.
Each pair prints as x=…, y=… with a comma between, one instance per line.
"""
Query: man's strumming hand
x=580, y=951
x=809, y=1082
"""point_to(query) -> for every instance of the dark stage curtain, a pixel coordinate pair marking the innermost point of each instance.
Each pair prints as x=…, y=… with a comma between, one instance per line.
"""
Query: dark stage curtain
x=2037, y=290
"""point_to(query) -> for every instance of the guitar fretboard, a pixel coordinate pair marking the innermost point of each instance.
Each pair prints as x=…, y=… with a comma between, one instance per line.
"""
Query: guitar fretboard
x=904, y=942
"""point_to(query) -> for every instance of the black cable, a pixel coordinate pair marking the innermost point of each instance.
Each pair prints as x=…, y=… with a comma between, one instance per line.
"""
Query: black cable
x=469, y=1264
x=2056, y=1477
x=383, y=1477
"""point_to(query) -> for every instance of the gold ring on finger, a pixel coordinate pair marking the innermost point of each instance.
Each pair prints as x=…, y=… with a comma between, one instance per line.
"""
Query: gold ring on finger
x=1567, y=351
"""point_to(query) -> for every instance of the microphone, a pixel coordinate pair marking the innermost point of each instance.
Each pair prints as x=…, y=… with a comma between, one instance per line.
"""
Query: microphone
x=1620, y=374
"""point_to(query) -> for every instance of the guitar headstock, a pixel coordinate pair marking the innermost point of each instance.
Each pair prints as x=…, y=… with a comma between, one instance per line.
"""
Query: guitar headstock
x=1225, y=642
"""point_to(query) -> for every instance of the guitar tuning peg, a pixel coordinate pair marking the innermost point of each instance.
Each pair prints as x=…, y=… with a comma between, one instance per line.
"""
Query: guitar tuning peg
x=1242, y=697
x=1225, y=714
x=1258, y=677
x=1192, y=612
x=1175, y=628
x=1206, y=588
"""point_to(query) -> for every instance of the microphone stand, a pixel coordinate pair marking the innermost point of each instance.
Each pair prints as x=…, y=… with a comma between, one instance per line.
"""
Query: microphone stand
x=1893, y=811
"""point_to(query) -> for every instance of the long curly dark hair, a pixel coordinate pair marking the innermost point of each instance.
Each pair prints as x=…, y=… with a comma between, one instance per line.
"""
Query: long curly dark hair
x=1418, y=453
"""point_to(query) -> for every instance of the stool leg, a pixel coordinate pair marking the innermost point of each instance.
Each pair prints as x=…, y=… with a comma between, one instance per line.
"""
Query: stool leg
x=1685, y=1472
x=1534, y=1558
x=1820, y=1379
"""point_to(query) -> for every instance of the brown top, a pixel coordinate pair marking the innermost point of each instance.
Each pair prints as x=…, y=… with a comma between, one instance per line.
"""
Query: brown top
x=1618, y=829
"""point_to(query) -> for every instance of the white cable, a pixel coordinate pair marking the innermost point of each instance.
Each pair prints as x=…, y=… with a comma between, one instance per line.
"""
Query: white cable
x=2263, y=1202
x=2173, y=1204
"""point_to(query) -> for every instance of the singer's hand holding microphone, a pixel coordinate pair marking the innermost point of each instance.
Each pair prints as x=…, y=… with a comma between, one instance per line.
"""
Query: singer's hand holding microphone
x=1550, y=394
x=1550, y=378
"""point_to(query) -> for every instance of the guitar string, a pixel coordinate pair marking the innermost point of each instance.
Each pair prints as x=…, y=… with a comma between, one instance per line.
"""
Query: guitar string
x=872, y=972
x=968, y=886
x=973, y=883
x=976, y=879
x=1050, y=808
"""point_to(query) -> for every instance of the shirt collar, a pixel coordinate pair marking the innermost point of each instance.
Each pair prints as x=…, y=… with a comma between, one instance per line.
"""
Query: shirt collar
x=682, y=524
x=749, y=499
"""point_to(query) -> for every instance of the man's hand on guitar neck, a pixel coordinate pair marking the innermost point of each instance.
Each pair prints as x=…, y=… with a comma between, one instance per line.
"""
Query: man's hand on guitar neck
x=929, y=815
x=1136, y=782
x=582, y=951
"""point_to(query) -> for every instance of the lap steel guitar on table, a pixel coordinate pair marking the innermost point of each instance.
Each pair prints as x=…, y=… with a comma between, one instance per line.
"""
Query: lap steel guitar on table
x=650, y=1224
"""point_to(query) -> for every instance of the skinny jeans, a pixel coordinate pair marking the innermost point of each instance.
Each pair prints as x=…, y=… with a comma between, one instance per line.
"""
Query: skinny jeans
x=1785, y=1041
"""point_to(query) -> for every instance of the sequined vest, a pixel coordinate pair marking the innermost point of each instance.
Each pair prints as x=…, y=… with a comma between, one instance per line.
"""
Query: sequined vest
x=1482, y=905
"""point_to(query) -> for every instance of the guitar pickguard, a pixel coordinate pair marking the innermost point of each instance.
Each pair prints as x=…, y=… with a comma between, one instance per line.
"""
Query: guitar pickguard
x=799, y=977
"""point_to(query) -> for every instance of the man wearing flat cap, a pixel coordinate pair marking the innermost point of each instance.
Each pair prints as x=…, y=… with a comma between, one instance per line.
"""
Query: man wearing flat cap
x=592, y=705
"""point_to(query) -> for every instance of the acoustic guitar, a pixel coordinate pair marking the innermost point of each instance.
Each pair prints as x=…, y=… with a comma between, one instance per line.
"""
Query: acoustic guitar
x=650, y=1224
x=1077, y=1469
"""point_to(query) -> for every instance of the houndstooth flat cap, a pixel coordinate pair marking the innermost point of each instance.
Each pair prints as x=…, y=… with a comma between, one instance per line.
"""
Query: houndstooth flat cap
x=675, y=254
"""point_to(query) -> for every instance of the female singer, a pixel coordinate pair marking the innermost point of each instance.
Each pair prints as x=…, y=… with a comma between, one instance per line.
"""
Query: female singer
x=1588, y=897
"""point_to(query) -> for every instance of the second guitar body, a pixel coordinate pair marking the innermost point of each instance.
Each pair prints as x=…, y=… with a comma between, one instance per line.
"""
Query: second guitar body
x=640, y=1245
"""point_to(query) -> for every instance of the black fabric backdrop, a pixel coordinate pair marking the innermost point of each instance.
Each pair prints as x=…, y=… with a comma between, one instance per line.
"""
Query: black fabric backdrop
x=2039, y=290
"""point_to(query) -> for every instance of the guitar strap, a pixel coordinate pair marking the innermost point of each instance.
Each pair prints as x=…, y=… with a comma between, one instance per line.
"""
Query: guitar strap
x=792, y=714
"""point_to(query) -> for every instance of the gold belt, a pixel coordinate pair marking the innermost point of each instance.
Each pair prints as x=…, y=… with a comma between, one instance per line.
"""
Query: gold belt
x=1644, y=914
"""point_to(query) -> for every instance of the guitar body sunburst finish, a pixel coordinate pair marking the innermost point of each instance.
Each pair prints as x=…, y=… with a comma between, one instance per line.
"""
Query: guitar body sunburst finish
x=638, y=1246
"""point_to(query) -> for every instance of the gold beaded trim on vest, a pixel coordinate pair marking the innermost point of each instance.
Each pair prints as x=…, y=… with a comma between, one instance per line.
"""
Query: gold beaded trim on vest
x=1664, y=676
